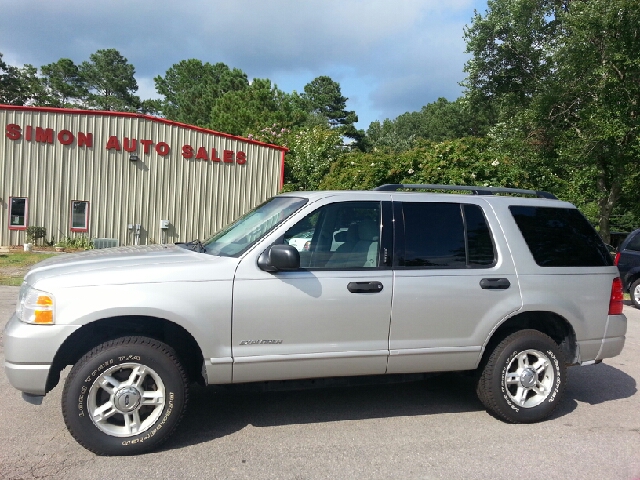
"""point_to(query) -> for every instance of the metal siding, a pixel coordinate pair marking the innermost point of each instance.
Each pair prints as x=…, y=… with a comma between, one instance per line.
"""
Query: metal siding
x=197, y=197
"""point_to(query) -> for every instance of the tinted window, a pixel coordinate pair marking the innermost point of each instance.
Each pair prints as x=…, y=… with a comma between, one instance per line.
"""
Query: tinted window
x=479, y=242
x=560, y=237
x=434, y=235
x=634, y=243
x=446, y=235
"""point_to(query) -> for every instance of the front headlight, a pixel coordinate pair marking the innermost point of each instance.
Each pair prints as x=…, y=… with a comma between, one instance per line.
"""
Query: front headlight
x=35, y=306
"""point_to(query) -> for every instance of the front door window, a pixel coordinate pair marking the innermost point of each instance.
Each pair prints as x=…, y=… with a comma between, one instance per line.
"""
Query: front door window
x=339, y=236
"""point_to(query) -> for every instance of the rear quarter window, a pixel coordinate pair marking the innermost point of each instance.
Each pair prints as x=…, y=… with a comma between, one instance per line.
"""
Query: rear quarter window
x=560, y=237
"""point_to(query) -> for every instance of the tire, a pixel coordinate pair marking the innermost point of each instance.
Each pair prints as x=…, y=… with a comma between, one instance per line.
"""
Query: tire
x=125, y=396
x=523, y=379
x=634, y=292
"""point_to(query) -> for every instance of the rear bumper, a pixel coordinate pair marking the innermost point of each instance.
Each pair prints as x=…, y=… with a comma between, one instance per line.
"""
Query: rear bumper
x=614, y=337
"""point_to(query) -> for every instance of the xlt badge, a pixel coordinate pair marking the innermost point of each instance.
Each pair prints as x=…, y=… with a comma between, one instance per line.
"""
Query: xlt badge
x=260, y=342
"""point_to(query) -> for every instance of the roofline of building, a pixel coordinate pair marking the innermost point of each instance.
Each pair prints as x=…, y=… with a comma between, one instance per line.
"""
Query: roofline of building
x=78, y=111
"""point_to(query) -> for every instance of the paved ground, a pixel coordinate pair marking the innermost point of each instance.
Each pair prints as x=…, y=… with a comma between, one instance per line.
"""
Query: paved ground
x=432, y=429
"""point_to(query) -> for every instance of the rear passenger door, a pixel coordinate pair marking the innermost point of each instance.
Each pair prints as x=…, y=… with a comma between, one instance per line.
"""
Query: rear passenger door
x=454, y=280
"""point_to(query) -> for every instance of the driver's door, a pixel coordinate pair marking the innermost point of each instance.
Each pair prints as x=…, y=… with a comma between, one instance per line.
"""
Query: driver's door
x=330, y=317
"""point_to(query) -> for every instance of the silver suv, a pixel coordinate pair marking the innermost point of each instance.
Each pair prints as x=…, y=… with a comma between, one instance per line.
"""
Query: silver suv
x=391, y=281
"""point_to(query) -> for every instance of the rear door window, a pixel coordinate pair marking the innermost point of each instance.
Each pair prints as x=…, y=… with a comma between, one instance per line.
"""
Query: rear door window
x=445, y=235
x=560, y=237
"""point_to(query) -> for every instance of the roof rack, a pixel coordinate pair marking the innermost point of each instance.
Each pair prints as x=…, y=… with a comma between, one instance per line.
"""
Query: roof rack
x=392, y=187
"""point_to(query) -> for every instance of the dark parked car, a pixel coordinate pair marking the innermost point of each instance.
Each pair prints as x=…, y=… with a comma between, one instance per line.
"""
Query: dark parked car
x=628, y=262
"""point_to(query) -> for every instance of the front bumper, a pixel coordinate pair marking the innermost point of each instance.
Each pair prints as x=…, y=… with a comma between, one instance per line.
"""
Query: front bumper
x=29, y=351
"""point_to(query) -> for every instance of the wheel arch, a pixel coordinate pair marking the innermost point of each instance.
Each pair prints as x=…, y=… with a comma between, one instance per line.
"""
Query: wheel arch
x=555, y=326
x=97, y=332
x=631, y=276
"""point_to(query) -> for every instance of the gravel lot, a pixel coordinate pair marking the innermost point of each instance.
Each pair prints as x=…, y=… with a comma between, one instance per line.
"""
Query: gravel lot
x=424, y=429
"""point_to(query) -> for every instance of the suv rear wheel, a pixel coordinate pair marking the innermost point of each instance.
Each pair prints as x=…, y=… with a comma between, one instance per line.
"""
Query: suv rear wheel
x=524, y=378
x=125, y=396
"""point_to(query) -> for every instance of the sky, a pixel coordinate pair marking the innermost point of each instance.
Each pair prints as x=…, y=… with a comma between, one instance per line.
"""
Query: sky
x=389, y=56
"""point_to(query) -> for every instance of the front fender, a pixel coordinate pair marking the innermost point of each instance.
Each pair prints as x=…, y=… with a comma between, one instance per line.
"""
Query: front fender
x=201, y=308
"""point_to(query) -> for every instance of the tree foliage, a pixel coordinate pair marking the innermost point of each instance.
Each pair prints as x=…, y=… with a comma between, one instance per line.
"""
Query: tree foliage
x=18, y=86
x=190, y=89
x=465, y=161
x=323, y=99
x=63, y=84
x=563, y=79
x=437, y=121
x=110, y=81
x=244, y=111
x=312, y=152
x=512, y=54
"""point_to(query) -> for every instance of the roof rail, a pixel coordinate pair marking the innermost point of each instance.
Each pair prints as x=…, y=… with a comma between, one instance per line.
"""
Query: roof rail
x=392, y=187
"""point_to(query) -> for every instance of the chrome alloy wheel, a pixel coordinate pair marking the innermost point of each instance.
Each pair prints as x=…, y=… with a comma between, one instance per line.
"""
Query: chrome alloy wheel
x=636, y=294
x=529, y=378
x=126, y=399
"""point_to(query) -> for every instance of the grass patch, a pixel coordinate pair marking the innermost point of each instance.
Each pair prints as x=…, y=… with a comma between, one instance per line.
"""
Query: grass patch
x=11, y=281
x=20, y=260
x=13, y=266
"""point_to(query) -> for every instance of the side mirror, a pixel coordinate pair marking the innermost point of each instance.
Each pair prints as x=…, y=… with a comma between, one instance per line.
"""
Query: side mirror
x=279, y=257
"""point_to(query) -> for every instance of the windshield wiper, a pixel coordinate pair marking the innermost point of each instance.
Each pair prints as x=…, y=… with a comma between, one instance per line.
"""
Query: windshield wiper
x=194, y=245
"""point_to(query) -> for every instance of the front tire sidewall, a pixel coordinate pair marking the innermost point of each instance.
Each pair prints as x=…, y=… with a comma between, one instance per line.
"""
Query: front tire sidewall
x=155, y=355
x=500, y=400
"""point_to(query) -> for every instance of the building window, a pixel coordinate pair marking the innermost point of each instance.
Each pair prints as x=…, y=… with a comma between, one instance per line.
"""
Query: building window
x=79, y=216
x=18, y=209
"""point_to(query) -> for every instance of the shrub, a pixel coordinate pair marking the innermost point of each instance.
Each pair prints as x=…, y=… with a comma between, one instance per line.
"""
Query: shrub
x=34, y=233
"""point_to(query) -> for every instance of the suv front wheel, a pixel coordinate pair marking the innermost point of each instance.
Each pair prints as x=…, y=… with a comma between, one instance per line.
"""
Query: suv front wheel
x=524, y=378
x=125, y=396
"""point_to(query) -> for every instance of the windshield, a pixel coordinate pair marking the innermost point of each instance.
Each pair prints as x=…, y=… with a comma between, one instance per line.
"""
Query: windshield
x=237, y=237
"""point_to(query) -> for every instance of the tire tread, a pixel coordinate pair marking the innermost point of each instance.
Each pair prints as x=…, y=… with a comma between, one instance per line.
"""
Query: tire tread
x=484, y=388
x=121, y=341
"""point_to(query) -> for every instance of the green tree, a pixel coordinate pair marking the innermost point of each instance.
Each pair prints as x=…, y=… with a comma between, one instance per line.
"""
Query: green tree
x=190, y=89
x=63, y=84
x=33, y=87
x=246, y=111
x=591, y=102
x=465, y=161
x=11, y=89
x=323, y=99
x=563, y=79
x=512, y=54
x=110, y=81
x=19, y=86
x=437, y=121
x=312, y=151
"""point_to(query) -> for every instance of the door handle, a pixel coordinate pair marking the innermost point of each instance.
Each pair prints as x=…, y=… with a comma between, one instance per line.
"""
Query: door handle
x=364, y=287
x=495, y=283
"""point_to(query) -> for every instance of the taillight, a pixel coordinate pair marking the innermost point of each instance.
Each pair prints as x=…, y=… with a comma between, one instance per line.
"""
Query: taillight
x=617, y=259
x=615, y=302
